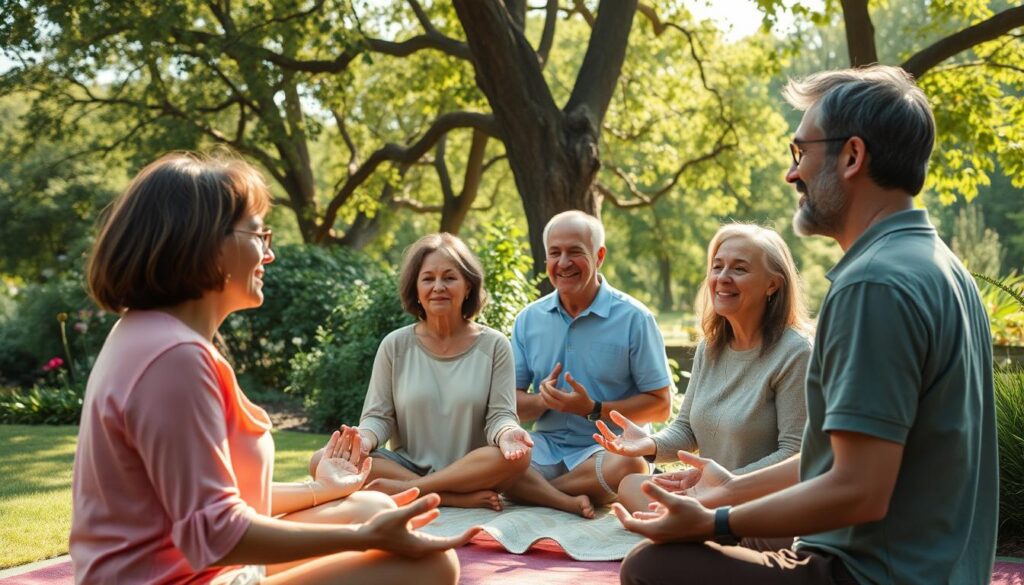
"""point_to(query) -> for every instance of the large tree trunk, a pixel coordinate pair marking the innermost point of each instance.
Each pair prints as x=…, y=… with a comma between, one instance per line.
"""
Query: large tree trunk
x=860, y=33
x=553, y=153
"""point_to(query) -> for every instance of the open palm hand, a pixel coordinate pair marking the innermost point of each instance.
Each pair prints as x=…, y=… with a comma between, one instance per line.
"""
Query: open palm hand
x=339, y=471
x=515, y=443
x=634, y=441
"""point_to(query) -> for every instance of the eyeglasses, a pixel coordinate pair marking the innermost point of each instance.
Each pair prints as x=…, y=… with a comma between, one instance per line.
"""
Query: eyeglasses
x=798, y=153
x=266, y=235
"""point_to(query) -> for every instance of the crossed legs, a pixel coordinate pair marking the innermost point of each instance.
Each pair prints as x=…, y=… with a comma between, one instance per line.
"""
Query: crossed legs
x=361, y=567
x=579, y=489
x=473, y=481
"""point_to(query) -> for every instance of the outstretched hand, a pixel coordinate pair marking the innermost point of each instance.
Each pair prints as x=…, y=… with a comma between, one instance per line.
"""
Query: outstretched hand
x=339, y=471
x=576, y=401
x=515, y=443
x=705, y=480
x=396, y=530
x=634, y=442
x=672, y=518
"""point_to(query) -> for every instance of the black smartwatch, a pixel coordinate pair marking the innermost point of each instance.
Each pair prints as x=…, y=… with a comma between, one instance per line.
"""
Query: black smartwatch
x=595, y=414
x=723, y=534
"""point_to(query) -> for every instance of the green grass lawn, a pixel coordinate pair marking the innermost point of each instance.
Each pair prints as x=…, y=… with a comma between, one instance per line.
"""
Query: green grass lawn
x=35, y=493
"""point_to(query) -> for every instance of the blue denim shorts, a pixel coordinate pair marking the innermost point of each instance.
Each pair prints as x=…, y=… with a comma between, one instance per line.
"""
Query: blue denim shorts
x=398, y=458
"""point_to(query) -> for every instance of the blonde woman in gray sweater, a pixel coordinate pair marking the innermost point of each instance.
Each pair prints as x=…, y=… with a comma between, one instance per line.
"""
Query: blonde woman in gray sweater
x=744, y=406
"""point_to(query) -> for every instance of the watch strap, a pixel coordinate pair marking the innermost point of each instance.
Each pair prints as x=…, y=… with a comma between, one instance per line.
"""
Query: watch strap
x=595, y=413
x=724, y=534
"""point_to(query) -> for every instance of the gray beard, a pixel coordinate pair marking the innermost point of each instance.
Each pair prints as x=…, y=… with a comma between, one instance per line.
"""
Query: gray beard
x=822, y=213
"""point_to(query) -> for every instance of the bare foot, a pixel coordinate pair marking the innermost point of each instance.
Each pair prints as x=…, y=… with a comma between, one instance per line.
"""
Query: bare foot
x=479, y=499
x=586, y=509
x=575, y=505
x=387, y=486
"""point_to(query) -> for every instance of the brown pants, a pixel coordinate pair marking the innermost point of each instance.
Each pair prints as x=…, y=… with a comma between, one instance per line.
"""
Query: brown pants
x=755, y=560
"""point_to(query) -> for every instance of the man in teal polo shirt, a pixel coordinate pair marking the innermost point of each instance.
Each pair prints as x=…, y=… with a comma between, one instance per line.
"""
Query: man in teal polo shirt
x=897, y=481
x=586, y=349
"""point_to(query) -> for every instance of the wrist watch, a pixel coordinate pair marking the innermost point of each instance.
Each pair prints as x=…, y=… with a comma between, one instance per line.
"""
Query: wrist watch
x=595, y=413
x=723, y=534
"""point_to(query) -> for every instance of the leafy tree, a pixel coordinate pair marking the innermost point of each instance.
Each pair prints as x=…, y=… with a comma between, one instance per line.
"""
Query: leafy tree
x=966, y=57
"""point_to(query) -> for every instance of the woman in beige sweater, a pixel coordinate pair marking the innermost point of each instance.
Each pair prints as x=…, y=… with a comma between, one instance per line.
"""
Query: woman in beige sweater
x=442, y=390
x=744, y=406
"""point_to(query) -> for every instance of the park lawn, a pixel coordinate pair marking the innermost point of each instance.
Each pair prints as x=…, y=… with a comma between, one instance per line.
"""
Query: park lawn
x=35, y=493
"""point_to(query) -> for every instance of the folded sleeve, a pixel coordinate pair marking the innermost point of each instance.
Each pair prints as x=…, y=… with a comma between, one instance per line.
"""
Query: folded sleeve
x=647, y=361
x=379, y=406
x=501, y=401
x=176, y=418
x=875, y=345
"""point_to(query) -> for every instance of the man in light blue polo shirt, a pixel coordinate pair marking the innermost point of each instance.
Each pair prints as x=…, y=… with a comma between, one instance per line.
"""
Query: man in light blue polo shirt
x=897, y=481
x=586, y=349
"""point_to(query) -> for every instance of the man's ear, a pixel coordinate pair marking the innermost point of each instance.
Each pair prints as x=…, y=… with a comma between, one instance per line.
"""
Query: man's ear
x=854, y=157
x=600, y=255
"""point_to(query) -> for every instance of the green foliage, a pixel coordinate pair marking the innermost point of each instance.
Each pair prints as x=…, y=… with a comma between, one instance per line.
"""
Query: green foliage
x=333, y=374
x=60, y=405
x=1004, y=301
x=507, y=263
x=31, y=334
x=1009, y=397
x=301, y=287
x=975, y=244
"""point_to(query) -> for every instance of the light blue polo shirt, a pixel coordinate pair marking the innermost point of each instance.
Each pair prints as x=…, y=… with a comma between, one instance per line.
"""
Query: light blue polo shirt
x=613, y=348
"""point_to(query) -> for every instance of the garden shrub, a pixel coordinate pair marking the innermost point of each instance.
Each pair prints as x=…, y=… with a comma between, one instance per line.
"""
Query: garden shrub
x=31, y=333
x=1009, y=394
x=300, y=289
x=507, y=263
x=334, y=373
x=1004, y=301
x=60, y=405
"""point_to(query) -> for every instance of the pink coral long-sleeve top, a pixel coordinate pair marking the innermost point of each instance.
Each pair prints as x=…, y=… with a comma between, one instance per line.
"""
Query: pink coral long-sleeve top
x=173, y=460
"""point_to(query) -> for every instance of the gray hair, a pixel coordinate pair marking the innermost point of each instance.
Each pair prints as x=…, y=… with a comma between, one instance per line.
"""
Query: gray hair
x=593, y=226
x=885, y=108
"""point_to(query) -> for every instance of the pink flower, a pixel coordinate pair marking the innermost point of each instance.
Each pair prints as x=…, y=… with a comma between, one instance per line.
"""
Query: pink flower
x=53, y=364
x=81, y=327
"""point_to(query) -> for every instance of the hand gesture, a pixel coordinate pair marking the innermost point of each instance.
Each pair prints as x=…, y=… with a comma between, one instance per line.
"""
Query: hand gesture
x=634, y=442
x=672, y=518
x=705, y=480
x=396, y=530
x=515, y=443
x=577, y=401
x=338, y=471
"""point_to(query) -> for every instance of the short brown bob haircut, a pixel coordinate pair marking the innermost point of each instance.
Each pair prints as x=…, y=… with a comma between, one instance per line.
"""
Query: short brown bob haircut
x=161, y=239
x=467, y=262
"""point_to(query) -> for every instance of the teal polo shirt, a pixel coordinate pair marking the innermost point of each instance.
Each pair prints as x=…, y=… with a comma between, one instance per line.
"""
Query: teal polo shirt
x=903, y=353
x=613, y=348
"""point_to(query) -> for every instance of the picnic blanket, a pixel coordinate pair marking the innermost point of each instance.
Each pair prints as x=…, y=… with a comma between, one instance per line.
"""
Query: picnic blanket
x=516, y=528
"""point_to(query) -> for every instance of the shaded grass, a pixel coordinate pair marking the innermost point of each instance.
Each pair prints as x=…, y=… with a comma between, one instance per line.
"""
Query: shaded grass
x=35, y=490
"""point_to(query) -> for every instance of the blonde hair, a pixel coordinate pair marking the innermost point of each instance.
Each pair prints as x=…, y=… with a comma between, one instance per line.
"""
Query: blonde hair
x=785, y=308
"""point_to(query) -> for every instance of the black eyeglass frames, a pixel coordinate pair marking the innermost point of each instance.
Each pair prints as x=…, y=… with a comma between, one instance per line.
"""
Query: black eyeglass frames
x=798, y=153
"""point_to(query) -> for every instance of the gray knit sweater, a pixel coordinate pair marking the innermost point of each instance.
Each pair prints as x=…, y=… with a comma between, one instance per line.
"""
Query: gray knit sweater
x=744, y=410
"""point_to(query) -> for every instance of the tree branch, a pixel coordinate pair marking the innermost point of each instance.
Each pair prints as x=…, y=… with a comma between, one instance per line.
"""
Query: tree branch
x=999, y=24
x=603, y=60
x=407, y=155
x=547, y=38
x=640, y=198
